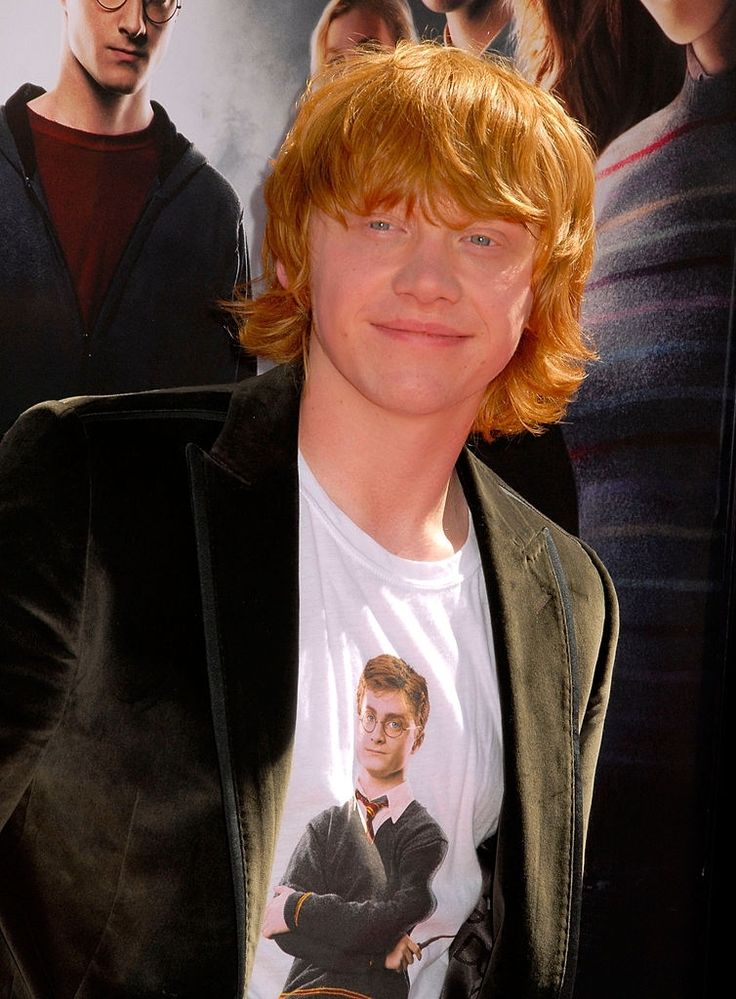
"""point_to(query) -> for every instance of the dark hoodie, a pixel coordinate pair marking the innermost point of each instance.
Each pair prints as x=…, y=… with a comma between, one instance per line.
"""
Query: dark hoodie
x=160, y=325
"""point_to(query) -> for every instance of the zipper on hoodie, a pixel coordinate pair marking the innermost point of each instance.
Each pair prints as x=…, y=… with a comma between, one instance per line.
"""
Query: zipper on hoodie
x=40, y=206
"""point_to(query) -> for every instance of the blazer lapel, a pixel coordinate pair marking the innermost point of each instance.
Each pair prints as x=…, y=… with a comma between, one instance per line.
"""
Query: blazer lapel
x=540, y=828
x=246, y=507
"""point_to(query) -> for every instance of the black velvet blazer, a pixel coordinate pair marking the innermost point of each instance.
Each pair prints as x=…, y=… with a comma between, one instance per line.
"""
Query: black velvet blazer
x=148, y=661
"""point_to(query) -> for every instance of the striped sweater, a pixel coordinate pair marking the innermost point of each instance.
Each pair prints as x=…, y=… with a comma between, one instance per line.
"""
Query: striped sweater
x=644, y=437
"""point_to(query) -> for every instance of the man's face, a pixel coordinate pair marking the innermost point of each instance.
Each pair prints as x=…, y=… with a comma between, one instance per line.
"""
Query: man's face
x=416, y=318
x=119, y=49
x=380, y=755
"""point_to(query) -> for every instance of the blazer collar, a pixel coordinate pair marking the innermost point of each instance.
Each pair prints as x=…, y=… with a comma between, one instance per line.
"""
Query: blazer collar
x=260, y=435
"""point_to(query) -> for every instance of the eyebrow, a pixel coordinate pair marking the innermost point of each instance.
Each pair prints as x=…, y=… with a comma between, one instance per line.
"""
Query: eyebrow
x=390, y=716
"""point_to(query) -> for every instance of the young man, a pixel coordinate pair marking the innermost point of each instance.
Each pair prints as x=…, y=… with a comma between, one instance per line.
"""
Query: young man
x=118, y=239
x=178, y=638
x=359, y=879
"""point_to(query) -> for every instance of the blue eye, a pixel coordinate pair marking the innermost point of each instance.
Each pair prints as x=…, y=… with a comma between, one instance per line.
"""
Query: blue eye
x=380, y=225
x=479, y=239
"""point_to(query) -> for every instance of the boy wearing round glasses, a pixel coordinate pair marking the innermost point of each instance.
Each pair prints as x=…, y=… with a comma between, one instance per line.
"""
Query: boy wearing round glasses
x=118, y=237
x=359, y=880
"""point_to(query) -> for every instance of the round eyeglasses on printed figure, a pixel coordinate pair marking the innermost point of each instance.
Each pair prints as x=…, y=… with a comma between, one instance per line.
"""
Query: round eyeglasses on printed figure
x=392, y=727
x=155, y=11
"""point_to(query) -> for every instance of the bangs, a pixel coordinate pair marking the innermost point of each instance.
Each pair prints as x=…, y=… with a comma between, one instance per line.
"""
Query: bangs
x=418, y=137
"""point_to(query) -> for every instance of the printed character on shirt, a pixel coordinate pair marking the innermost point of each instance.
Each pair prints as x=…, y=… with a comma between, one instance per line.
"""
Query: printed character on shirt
x=360, y=878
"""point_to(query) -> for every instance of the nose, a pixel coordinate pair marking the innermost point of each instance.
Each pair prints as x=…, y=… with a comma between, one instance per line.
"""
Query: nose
x=427, y=272
x=378, y=735
x=133, y=19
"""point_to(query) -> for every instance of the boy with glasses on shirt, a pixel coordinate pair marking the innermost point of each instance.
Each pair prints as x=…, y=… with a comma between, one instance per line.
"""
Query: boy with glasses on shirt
x=380, y=849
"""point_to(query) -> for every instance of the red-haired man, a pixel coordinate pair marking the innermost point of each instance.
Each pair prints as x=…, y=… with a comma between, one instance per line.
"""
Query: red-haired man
x=188, y=578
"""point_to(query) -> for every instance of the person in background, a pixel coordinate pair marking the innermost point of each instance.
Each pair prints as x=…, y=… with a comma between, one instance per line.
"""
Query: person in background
x=475, y=25
x=605, y=59
x=117, y=238
x=345, y=25
x=651, y=437
x=609, y=64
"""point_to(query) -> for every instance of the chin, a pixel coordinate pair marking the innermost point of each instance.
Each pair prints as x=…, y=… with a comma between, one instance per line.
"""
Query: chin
x=123, y=89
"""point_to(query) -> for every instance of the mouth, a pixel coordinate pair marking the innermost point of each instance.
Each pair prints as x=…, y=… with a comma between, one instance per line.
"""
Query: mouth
x=420, y=329
x=127, y=55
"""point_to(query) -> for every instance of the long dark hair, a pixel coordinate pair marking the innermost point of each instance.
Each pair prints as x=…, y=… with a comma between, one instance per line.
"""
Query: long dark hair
x=607, y=60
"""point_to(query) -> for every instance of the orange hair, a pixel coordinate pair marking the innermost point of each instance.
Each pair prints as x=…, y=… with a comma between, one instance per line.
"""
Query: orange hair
x=434, y=127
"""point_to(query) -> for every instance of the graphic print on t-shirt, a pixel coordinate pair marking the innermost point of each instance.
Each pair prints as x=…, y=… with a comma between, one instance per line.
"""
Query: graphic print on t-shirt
x=359, y=602
x=359, y=880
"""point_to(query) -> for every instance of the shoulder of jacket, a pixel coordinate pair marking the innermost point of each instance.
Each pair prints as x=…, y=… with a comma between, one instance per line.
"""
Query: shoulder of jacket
x=78, y=415
x=529, y=526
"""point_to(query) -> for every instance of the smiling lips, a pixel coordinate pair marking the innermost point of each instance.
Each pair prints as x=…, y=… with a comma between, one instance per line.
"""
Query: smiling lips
x=414, y=328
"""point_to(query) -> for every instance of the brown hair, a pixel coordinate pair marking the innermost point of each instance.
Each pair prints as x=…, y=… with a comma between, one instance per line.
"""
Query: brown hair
x=387, y=672
x=607, y=60
x=431, y=125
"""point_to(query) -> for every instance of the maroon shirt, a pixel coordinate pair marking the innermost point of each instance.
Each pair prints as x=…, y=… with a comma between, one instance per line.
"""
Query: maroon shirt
x=95, y=187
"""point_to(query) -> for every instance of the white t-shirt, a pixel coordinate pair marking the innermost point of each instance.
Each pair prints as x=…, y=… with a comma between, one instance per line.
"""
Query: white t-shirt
x=358, y=601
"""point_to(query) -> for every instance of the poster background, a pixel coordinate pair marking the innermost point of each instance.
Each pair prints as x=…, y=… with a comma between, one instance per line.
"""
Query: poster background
x=233, y=72
x=229, y=81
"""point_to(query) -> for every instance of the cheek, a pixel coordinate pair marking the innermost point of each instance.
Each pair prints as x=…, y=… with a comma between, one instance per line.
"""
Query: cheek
x=331, y=306
x=161, y=43
x=526, y=307
x=518, y=306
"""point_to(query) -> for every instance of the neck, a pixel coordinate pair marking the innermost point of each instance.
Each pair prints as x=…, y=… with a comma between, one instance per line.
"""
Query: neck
x=77, y=101
x=374, y=787
x=716, y=50
x=474, y=26
x=392, y=474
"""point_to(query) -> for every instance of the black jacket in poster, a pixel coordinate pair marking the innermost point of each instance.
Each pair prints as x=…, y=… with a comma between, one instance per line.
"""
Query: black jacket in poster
x=160, y=324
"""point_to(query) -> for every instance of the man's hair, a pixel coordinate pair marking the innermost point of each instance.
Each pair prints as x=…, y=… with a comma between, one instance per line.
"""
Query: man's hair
x=396, y=14
x=447, y=132
x=386, y=672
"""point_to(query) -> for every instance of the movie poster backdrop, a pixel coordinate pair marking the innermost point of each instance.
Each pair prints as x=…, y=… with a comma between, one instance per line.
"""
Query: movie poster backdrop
x=651, y=439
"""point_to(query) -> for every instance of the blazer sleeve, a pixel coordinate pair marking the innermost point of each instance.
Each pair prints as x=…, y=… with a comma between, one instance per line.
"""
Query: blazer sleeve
x=44, y=503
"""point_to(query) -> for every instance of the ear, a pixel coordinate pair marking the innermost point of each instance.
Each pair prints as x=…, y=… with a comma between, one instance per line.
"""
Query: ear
x=281, y=275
